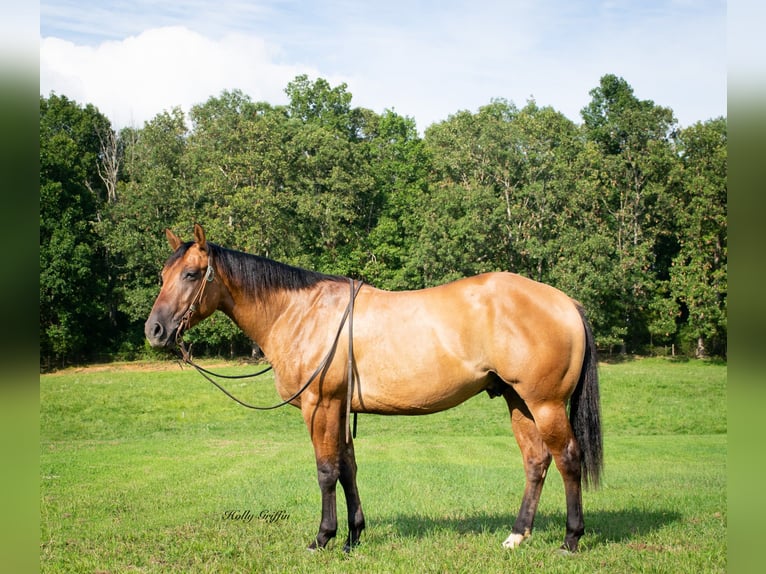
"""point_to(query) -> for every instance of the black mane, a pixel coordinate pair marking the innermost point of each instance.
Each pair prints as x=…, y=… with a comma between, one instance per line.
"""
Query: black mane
x=255, y=274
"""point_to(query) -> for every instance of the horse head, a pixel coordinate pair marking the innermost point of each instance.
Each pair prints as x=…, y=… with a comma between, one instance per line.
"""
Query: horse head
x=189, y=293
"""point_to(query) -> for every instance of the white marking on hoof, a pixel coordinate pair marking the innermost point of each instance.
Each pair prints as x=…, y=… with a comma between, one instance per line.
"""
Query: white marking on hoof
x=514, y=540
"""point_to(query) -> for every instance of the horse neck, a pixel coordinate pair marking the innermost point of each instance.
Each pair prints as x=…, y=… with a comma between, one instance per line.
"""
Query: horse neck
x=255, y=315
x=271, y=316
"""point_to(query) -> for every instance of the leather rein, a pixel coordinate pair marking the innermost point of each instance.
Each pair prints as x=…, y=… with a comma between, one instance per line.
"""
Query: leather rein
x=348, y=314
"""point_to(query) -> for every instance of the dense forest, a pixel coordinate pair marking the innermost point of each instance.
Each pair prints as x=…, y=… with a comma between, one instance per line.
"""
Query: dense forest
x=625, y=211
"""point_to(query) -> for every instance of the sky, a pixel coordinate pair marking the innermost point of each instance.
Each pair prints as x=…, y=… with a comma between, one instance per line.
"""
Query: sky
x=427, y=60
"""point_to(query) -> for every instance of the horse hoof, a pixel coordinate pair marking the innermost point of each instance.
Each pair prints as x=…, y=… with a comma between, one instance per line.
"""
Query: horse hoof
x=514, y=541
x=565, y=550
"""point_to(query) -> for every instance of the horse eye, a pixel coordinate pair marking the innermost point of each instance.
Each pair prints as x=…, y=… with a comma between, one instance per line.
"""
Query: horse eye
x=191, y=275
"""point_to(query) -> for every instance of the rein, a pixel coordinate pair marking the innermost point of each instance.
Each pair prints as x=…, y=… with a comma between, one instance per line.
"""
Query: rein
x=347, y=314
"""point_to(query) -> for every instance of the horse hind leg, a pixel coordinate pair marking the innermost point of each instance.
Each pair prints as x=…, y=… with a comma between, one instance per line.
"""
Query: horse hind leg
x=553, y=425
x=537, y=459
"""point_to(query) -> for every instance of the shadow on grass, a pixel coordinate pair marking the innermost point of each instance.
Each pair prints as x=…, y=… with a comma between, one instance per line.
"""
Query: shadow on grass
x=616, y=358
x=601, y=526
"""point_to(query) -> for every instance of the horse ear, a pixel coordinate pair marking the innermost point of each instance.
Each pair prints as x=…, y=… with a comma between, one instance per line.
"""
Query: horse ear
x=173, y=239
x=199, y=237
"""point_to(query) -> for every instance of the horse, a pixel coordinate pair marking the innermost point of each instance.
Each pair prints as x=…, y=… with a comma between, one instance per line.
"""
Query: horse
x=403, y=353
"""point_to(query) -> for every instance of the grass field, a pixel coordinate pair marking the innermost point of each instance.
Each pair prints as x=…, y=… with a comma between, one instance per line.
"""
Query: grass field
x=154, y=470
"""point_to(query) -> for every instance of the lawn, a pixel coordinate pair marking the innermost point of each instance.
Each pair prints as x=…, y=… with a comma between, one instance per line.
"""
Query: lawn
x=151, y=469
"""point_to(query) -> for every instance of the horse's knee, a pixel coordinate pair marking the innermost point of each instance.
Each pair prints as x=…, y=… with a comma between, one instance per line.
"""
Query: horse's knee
x=327, y=475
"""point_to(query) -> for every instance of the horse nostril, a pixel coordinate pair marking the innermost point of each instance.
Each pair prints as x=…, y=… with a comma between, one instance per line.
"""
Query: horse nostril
x=155, y=332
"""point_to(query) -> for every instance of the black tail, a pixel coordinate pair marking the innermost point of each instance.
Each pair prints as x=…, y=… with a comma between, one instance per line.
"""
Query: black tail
x=585, y=411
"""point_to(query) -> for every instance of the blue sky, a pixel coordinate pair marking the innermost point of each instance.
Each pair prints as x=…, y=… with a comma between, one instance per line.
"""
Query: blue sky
x=427, y=60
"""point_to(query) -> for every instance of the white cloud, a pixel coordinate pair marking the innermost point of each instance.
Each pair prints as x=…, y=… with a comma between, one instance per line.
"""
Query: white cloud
x=132, y=80
x=426, y=62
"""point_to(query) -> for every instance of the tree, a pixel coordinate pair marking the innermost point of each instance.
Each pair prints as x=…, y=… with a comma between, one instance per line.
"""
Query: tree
x=110, y=160
x=625, y=212
x=330, y=175
x=318, y=103
x=468, y=223
x=511, y=166
x=635, y=140
x=73, y=287
x=238, y=163
x=698, y=273
x=582, y=256
x=151, y=196
x=400, y=167
x=548, y=144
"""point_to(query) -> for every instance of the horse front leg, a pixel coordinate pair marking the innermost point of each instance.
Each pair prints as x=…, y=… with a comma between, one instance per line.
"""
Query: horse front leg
x=335, y=461
x=327, y=474
x=323, y=422
x=353, y=502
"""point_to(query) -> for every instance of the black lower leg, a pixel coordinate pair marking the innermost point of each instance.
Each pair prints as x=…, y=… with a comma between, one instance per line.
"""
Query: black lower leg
x=525, y=520
x=353, y=502
x=571, y=473
x=328, y=477
x=575, y=523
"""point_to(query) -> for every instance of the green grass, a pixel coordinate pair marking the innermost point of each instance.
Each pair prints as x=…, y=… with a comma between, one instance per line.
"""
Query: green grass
x=138, y=469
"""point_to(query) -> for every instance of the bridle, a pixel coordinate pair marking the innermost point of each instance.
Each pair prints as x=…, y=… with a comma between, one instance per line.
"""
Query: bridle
x=185, y=321
x=348, y=314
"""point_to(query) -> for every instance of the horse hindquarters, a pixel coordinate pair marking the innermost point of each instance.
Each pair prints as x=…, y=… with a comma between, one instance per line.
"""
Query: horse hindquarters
x=543, y=430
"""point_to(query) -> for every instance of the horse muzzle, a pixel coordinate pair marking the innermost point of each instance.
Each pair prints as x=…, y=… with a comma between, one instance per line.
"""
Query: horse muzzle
x=158, y=334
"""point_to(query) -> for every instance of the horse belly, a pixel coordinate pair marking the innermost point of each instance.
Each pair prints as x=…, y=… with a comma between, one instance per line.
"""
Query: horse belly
x=414, y=395
x=417, y=372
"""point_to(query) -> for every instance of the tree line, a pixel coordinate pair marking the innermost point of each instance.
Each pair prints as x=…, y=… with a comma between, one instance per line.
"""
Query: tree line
x=625, y=211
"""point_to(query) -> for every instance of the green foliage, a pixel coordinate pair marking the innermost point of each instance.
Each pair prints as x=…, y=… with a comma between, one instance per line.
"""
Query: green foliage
x=625, y=212
x=151, y=197
x=698, y=271
x=400, y=173
x=637, y=157
x=74, y=297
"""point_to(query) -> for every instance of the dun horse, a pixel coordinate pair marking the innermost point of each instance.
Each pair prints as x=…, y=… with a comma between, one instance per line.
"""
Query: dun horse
x=403, y=353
